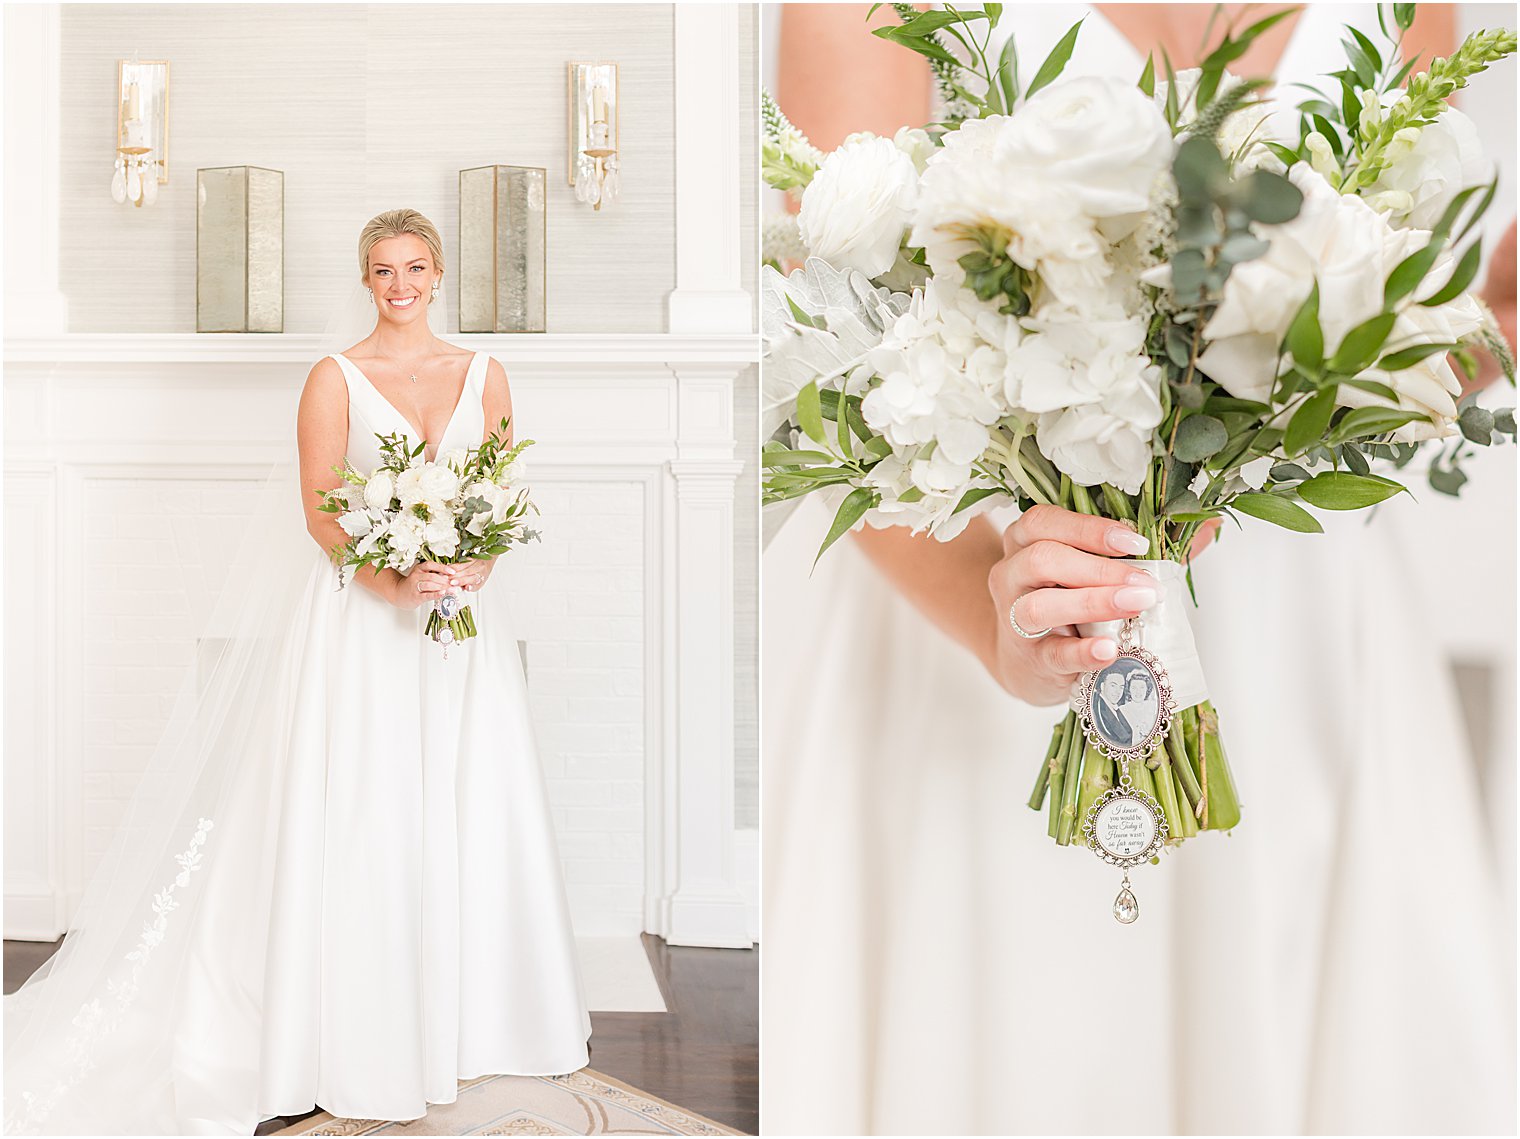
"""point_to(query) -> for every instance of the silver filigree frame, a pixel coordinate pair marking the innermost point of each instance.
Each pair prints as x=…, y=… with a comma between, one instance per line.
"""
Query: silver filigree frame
x=1166, y=707
x=1125, y=790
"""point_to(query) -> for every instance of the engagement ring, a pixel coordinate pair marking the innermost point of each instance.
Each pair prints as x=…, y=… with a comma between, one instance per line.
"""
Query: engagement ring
x=1013, y=620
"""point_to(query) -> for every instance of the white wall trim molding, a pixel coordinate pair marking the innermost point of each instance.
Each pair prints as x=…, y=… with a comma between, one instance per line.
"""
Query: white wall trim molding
x=654, y=411
x=710, y=294
x=31, y=139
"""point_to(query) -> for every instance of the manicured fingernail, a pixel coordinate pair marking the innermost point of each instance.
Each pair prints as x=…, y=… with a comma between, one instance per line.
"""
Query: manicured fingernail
x=1126, y=541
x=1140, y=577
x=1105, y=649
x=1135, y=597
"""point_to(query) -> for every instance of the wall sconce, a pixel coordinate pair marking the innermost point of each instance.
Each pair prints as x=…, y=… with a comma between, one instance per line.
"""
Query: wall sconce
x=142, y=131
x=594, y=132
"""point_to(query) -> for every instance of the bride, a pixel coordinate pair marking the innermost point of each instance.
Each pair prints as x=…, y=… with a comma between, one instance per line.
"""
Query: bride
x=337, y=885
x=934, y=964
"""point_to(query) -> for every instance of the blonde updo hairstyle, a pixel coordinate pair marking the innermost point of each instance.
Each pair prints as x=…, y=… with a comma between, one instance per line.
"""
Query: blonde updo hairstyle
x=398, y=223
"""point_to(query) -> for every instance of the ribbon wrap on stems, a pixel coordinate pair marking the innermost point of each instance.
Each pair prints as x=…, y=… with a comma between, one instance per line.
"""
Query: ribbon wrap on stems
x=1164, y=631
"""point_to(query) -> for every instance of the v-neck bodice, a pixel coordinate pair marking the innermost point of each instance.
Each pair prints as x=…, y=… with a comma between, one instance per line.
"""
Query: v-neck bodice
x=1312, y=49
x=371, y=414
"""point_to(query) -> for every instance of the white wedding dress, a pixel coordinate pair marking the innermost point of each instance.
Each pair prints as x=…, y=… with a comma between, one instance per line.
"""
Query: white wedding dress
x=371, y=910
x=935, y=964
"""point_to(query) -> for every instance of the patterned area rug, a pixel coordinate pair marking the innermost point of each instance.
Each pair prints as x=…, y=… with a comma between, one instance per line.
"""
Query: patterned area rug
x=582, y=1103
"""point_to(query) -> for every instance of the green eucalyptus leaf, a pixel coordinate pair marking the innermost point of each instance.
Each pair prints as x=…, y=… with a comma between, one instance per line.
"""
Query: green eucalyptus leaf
x=1198, y=437
x=1477, y=424
x=1288, y=472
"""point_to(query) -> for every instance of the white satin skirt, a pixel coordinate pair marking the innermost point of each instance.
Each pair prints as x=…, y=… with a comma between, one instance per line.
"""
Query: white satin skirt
x=378, y=912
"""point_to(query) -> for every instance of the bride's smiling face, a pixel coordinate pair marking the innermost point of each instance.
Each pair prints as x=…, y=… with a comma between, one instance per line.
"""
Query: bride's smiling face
x=402, y=275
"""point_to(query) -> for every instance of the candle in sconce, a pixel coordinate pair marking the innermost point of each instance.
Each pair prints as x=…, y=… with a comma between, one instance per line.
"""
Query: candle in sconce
x=134, y=100
x=599, y=102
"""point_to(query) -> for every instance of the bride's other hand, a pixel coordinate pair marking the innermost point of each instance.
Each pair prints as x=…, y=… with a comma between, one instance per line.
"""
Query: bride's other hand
x=1061, y=569
x=427, y=582
x=466, y=576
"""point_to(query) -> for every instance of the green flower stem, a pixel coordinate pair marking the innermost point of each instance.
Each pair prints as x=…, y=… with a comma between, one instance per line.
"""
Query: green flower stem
x=1070, y=786
x=1224, y=803
x=1037, y=796
x=1143, y=779
x=1176, y=746
x=1166, y=792
x=1058, y=770
x=1097, y=777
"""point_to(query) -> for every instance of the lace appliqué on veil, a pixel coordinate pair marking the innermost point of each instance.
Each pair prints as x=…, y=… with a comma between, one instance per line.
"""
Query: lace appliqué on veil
x=96, y=1019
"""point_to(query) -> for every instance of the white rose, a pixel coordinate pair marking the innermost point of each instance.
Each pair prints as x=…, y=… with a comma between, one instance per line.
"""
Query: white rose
x=379, y=489
x=454, y=458
x=1427, y=174
x=1337, y=239
x=858, y=206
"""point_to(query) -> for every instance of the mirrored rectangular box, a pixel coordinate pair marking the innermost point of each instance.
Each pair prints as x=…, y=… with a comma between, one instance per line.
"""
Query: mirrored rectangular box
x=502, y=249
x=239, y=249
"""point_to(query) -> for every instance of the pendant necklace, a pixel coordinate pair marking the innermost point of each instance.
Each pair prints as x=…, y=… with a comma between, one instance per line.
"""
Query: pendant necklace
x=1125, y=710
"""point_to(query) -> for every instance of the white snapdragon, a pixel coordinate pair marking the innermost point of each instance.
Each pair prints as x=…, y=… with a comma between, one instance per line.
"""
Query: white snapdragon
x=1430, y=166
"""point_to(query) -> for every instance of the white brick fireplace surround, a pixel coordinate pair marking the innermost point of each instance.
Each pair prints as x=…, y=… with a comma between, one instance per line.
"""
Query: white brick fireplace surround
x=117, y=449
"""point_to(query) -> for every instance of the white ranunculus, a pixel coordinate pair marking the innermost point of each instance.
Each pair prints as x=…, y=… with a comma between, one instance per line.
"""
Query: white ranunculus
x=379, y=489
x=355, y=523
x=858, y=206
x=1101, y=140
x=1070, y=172
x=1443, y=159
x=430, y=482
x=1336, y=239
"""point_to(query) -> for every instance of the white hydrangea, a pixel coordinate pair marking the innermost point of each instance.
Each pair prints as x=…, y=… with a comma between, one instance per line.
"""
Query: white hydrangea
x=1095, y=390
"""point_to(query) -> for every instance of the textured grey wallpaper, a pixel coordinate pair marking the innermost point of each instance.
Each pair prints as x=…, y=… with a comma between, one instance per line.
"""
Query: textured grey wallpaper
x=365, y=108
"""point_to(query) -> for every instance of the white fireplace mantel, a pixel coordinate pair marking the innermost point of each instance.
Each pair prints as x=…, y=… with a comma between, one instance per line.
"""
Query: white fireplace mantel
x=655, y=410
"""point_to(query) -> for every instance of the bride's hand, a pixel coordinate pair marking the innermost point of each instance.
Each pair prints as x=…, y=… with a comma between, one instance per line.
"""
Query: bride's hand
x=467, y=576
x=427, y=582
x=1062, y=569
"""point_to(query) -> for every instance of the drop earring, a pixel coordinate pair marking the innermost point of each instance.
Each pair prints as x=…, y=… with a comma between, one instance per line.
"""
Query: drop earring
x=371, y=294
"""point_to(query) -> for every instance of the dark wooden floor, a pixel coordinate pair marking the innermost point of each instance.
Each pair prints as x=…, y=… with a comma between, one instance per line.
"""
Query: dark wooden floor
x=702, y=1055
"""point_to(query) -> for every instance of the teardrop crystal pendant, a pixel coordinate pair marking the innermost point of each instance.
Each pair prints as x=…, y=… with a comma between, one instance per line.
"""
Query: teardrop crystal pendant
x=1126, y=908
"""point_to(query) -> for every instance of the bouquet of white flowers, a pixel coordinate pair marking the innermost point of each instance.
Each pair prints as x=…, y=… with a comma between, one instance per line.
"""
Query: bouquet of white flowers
x=1128, y=300
x=467, y=504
